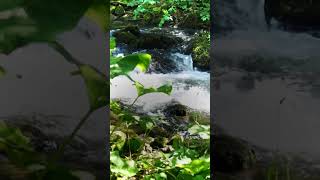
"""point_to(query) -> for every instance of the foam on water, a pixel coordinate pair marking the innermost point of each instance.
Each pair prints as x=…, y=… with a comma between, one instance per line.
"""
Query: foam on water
x=190, y=88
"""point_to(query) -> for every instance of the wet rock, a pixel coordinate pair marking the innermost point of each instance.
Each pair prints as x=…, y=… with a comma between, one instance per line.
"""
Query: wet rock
x=161, y=62
x=232, y=154
x=135, y=39
x=293, y=13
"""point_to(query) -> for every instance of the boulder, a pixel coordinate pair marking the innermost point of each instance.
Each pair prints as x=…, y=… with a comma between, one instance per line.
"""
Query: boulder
x=231, y=154
x=135, y=39
x=293, y=12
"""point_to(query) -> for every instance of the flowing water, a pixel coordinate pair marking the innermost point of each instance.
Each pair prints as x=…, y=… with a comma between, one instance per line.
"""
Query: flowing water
x=190, y=87
x=275, y=113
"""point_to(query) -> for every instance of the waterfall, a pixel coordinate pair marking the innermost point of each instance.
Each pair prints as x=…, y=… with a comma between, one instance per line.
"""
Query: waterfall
x=182, y=61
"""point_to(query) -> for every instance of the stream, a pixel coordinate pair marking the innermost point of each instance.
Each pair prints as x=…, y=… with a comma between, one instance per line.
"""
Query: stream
x=281, y=112
x=190, y=86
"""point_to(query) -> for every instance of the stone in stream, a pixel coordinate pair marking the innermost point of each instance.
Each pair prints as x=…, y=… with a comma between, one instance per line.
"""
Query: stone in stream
x=135, y=39
x=232, y=154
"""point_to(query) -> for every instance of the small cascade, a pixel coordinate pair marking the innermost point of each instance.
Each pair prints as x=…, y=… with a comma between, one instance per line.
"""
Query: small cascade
x=183, y=62
x=186, y=81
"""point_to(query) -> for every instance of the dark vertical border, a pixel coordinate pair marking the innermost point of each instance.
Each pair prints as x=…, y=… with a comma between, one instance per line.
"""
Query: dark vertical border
x=212, y=10
x=108, y=107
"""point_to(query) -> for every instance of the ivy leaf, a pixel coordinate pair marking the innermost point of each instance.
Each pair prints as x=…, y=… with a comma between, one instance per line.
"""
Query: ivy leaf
x=122, y=166
x=97, y=86
x=166, y=89
x=127, y=64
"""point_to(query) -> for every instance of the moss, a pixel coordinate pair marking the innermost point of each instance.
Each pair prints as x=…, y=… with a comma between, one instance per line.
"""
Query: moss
x=201, y=51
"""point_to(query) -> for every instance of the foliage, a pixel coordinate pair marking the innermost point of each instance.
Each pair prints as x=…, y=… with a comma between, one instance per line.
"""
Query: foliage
x=134, y=153
x=201, y=50
x=169, y=9
x=26, y=22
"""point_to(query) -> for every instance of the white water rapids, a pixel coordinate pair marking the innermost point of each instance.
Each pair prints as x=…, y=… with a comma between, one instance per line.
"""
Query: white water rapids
x=256, y=114
x=190, y=87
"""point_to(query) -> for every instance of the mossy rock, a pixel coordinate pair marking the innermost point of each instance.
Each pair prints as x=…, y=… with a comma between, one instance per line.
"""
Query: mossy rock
x=201, y=51
x=119, y=11
x=132, y=37
x=232, y=155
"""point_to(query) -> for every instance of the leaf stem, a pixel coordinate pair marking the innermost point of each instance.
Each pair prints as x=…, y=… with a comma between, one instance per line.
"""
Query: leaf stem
x=134, y=101
x=73, y=134
x=62, y=50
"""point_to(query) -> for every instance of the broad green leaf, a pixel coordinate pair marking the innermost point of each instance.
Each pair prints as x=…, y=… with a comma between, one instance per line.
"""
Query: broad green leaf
x=136, y=144
x=97, y=86
x=197, y=166
x=128, y=63
x=99, y=12
x=166, y=89
x=123, y=167
x=23, y=22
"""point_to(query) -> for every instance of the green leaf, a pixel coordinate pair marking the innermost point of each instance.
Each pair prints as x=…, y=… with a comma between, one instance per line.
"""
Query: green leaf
x=135, y=144
x=166, y=89
x=97, y=86
x=202, y=130
x=112, y=43
x=99, y=13
x=127, y=64
x=123, y=167
x=197, y=166
x=118, y=140
x=2, y=71
x=37, y=20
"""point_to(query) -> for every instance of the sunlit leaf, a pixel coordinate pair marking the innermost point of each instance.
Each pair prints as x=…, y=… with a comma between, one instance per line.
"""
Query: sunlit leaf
x=112, y=43
x=123, y=167
x=197, y=166
x=128, y=63
x=97, y=86
x=166, y=89
x=118, y=140
x=202, y=130
x=98, y=12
